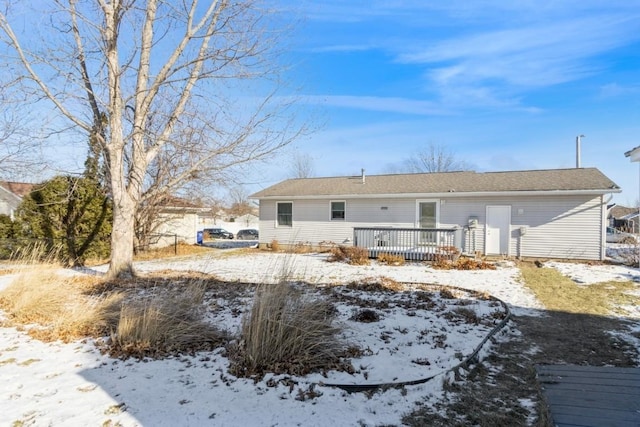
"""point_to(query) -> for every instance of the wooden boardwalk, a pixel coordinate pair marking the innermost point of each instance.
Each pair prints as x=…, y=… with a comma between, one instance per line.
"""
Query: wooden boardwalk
x=591, y=396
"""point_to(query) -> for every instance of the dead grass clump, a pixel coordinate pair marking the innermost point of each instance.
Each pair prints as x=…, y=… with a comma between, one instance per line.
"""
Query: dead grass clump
x=302, y=248
x=181, y=249
x=61, y=307
x=463, y=314
x=365, y=316
x=286, y=332
x=443, y=263
x=37, y=253
x=165, y=324
x=377, y=284
x=349, y=254
x=390, y=259
x=452, y=293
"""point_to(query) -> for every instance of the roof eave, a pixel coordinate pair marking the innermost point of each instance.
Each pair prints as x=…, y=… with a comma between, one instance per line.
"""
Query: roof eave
x=452, y=194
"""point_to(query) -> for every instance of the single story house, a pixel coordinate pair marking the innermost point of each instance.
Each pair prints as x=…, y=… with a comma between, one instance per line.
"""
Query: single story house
x=11, y=194
x=559, y=213
x=178, y=220
x=624, y=218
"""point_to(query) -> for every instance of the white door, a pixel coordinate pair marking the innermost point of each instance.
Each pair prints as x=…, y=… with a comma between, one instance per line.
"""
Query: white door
x=497, y=230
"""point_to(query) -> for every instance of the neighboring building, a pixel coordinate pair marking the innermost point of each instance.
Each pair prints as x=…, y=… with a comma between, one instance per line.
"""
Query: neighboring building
x=11, y=194
x=623, y=218
x=560, y=213
x=178, y=220
x=246, y=221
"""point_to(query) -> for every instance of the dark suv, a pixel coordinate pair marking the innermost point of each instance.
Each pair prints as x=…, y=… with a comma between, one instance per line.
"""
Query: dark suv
x=247, y=234
x=217, y=233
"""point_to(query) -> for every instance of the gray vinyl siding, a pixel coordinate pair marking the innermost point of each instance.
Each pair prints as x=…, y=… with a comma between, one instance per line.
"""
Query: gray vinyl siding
x=556, y=226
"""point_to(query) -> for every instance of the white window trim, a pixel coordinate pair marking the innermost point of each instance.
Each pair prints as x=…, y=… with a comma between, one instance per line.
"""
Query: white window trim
x=276, y=219
x=436, y=201
x=331, y=202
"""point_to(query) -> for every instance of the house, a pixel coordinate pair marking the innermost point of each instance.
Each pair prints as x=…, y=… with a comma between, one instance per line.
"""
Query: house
x=11, y=194
x=177, y=220
x=559, y=213
x=623, y=218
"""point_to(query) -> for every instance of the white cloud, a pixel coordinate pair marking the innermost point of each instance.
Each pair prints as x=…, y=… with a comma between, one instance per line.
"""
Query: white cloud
x=614, y=89
x=533, y=56
x=380, y=104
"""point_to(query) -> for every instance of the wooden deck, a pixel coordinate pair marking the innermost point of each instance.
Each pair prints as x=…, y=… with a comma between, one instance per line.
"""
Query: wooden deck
x=591, y=395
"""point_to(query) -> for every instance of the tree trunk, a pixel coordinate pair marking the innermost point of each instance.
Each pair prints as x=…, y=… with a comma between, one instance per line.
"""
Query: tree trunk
x=122, y=237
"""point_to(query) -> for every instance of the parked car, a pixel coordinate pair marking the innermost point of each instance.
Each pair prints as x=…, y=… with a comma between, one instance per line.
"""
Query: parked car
x=217, y=233
x=617, y=236
x=247, y=234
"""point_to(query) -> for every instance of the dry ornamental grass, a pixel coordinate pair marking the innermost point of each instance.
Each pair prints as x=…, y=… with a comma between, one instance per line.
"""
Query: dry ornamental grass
x=286, y=332
x=64, y=307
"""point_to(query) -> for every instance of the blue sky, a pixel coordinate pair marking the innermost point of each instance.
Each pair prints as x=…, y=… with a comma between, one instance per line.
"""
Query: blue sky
x=504, y=85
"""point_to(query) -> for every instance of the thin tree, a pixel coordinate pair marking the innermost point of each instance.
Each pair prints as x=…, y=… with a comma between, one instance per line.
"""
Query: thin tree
x=301, y=165
x=240, y=204
x=155, y=80
x=18, y=151
x=435, y=158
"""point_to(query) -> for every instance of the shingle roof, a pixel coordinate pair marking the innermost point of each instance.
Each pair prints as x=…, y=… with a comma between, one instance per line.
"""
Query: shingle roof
x=560, y=180
x=621, y=211
x=18, y=188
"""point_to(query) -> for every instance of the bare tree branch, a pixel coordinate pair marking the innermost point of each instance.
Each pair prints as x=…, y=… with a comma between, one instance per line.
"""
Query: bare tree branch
x=435, y=158
x=162, y=85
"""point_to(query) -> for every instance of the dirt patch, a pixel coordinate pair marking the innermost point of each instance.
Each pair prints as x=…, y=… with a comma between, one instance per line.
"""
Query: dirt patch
x=502, y=389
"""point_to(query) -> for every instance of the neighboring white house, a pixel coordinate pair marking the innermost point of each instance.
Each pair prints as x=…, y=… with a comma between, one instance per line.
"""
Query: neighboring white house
x=559, y=213
x=178, y=221
x=11, y=194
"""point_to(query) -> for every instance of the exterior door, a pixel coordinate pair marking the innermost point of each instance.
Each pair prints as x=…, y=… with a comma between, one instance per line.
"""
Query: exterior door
x=427, y=217
x=497, y=230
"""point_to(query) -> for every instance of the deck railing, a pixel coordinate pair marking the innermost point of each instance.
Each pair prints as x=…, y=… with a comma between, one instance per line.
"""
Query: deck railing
x=418, y=244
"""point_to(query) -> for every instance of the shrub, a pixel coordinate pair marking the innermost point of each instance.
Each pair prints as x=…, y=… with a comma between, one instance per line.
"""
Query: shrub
x=350, y=254
x=70, y=211
x=286, y=332
x=390, y=259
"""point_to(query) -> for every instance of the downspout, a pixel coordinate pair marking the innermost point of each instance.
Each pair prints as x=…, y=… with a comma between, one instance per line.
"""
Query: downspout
x=603, y=232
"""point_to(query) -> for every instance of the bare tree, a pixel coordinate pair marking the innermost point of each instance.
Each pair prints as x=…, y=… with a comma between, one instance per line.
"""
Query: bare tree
x=18, y=152
x=155, y=83
x=435, y=158
x=301, y=165
x=240, y=204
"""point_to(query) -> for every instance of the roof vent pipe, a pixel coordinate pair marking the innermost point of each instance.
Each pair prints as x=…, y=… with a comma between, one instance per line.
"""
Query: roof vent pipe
x=363, y=177
x=578, y=150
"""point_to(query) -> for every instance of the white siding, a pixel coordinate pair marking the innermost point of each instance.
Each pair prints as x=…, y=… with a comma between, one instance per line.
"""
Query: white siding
x=556, y=226
x=312, y=219
x=181, y=226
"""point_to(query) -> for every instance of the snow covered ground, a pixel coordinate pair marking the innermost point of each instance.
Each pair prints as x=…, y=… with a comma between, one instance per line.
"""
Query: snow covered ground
x=74, y=385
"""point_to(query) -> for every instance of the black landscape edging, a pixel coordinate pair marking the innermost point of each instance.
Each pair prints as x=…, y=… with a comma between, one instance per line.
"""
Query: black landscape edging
x=355, y=388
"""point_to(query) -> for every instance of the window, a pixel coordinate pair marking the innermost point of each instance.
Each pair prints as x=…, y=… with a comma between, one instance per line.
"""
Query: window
x=285, y=214
x=338, y=211
x=427, y=214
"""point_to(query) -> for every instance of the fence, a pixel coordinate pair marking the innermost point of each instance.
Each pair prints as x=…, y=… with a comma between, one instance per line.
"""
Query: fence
x=419, y=244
